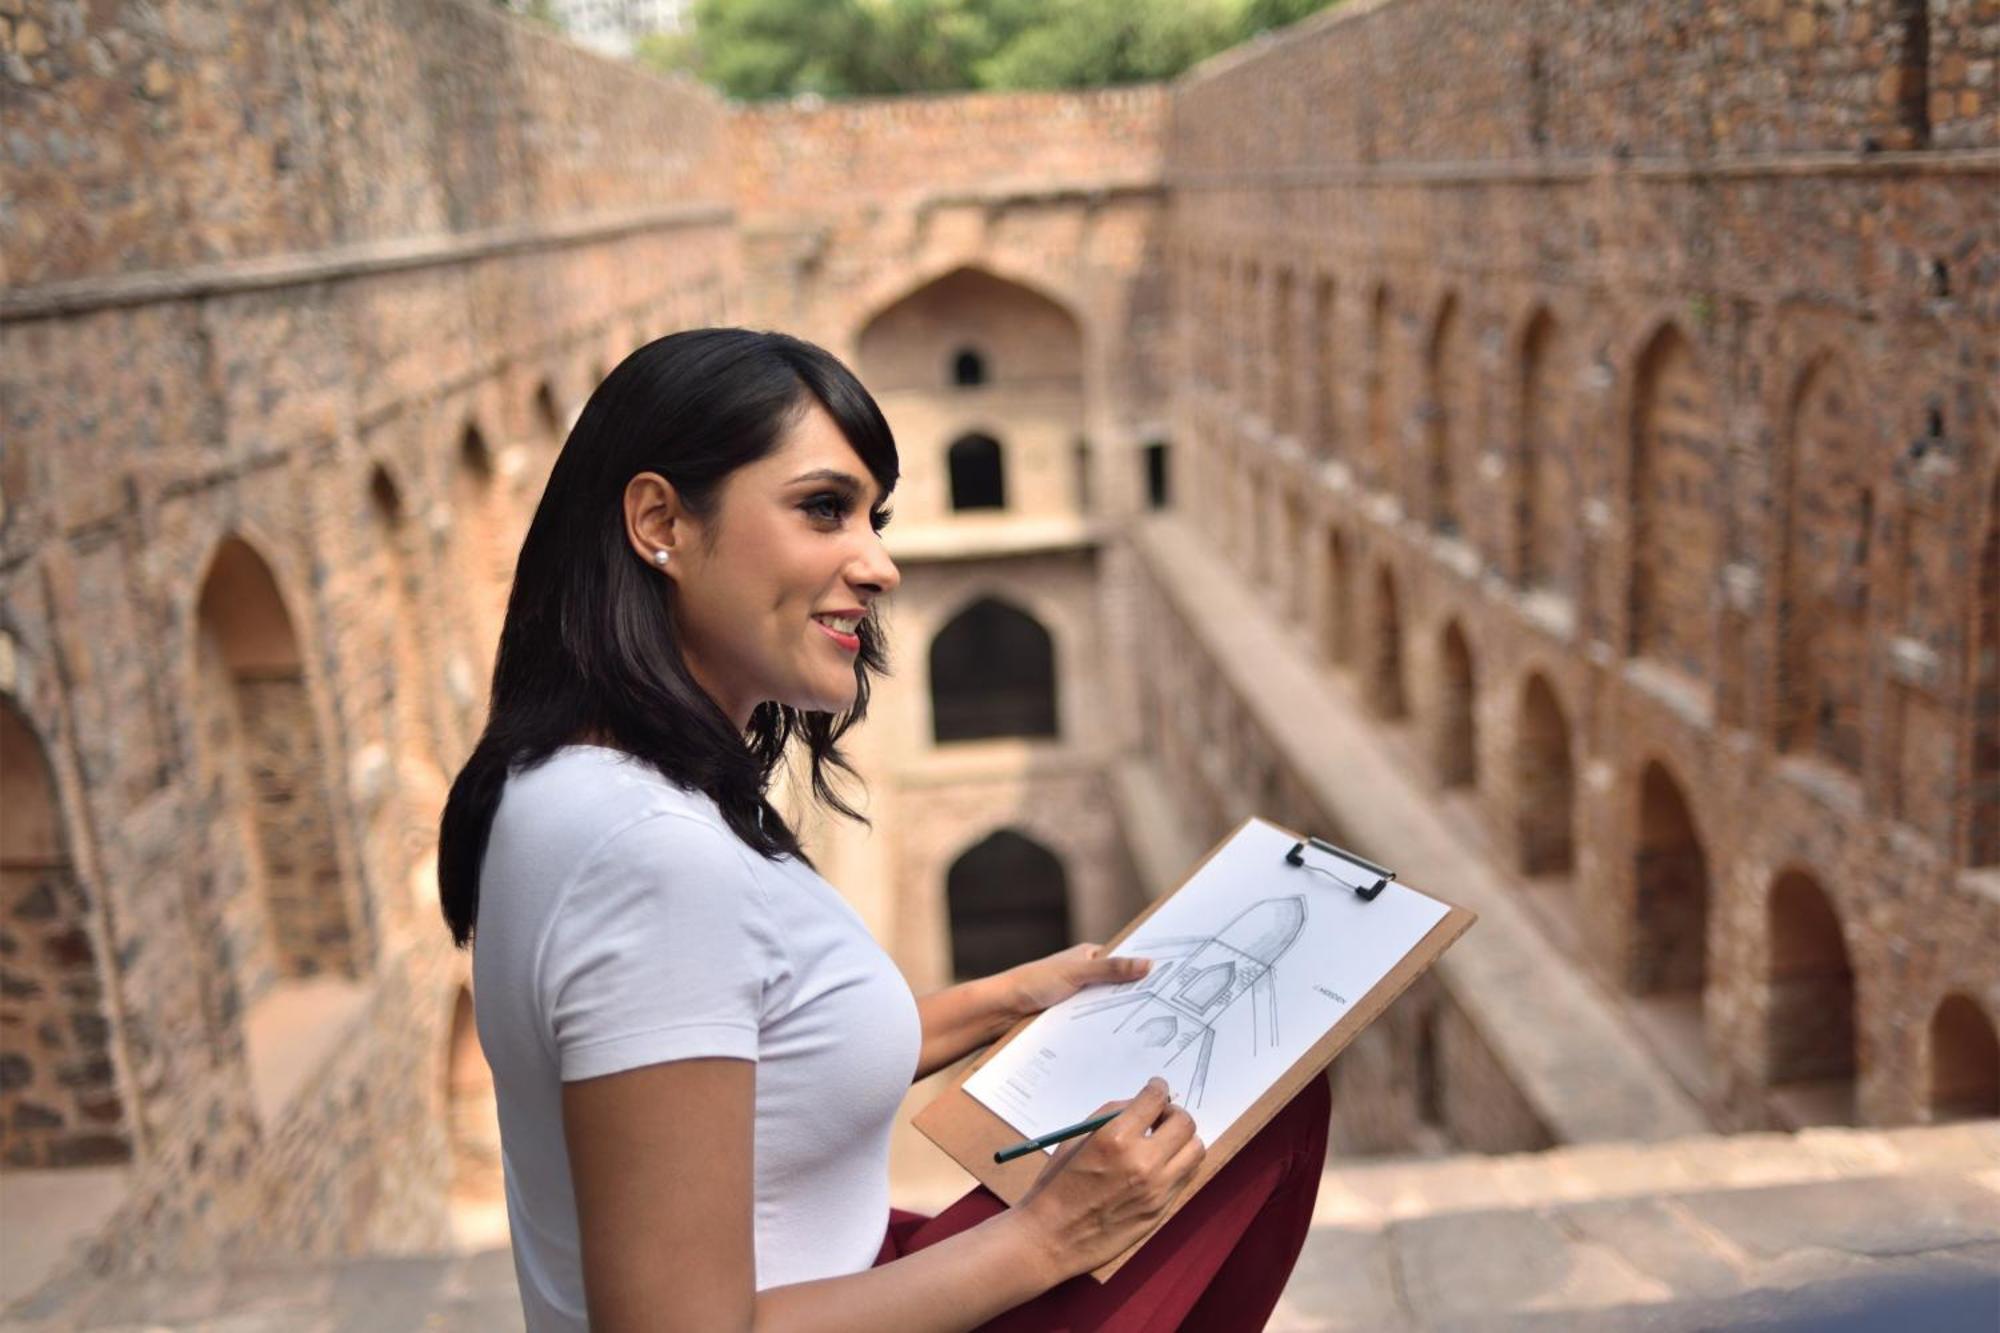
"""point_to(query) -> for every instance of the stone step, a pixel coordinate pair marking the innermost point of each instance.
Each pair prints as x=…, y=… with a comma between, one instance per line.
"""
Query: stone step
x=1897, y=1228
x=1371, y=1195
x=1920, y=1250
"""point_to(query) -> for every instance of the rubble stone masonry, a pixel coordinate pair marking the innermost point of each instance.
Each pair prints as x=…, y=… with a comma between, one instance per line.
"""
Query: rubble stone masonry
x=1607, y=395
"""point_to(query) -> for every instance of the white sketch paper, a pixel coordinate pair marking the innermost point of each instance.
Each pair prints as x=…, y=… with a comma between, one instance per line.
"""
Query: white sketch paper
x=1254, y=960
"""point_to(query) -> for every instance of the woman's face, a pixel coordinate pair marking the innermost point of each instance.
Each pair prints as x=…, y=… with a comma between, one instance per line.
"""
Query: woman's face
x=792, y=543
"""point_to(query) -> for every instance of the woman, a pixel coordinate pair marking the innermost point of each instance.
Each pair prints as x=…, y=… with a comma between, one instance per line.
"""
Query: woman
x=698, y=1050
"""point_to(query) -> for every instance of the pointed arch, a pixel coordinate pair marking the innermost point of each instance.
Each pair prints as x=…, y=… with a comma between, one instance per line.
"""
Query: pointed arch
x=992, y=671
x=1284, y=353
x=1325, y=397
x=482, y=537
x=547, y=415
x=1386, y=689
x=1018, y=332
x=1670, y=891
x=1546, y=501
x=1675, y=502
x=1250, y=348
x=1544, y=782
x=1008, y=901
x=1826, y=526
x=60, y=1104
x=968, y=368
x=1381, y=359
x=402, y=673
x=1445, y=375
x=1810, y=1020
x=1340, y=599
x=1964, y=1061
x=1456, y=754
x=977, y=467
x=472, y=1122
x=288, y=915
x=1984, y=837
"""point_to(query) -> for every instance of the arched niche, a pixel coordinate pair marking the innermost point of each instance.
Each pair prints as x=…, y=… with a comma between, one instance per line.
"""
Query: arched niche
x=1340, y=599
x=1325, y=400
x=1021, y=336
x=1446, y=377
x=547, y=415
x=976, y=465
x=1457, y=721
x=1158, y=477
x=1964, y=1061
x=1379, y=390
x=1386, y=690
x=402, y=674
x=1547, y=499
x=1284, y=353
x=1670, y=892
x=1544, y=783
x=1008, y=901
x=1983, y=843
x=1809, y=1020
x=968, y=368
x=472, y=1124
x=1827, y=527
x=992, y=670
x=1676, y=502
x=482, y=539
x=284, y=909
x=60, y=1104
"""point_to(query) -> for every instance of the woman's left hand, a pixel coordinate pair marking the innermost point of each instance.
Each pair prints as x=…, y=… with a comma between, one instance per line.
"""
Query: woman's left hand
x=1052, y=980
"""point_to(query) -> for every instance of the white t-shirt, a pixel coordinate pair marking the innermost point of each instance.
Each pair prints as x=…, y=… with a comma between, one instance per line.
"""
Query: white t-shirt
x=621, y=923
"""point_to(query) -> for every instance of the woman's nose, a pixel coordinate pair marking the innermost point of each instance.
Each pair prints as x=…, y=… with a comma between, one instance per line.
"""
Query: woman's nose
x=878, y=571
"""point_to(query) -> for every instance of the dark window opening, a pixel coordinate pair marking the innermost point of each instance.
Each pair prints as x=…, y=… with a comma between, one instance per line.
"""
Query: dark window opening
x=1158, y=493
x=1009, y=903
x=992, y=674
x=977, y=478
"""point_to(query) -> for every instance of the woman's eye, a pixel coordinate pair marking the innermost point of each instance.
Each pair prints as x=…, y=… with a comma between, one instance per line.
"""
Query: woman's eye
x=880, y=518
x=826, y=506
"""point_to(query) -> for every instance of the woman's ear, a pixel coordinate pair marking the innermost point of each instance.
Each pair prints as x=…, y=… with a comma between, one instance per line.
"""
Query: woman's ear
x=651, y=513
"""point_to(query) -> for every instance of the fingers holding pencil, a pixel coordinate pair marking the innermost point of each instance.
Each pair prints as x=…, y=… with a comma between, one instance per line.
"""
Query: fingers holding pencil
x=1107, y=1188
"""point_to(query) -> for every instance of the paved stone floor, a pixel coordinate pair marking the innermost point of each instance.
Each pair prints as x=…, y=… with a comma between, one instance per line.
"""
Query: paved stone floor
x=1843, y=1230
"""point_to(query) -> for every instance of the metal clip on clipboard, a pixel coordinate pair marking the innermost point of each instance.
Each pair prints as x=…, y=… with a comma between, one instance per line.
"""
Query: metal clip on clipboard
x=1367, y=893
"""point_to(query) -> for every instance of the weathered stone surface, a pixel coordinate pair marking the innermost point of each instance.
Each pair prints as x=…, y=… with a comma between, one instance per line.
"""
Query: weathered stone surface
x=1592, y=406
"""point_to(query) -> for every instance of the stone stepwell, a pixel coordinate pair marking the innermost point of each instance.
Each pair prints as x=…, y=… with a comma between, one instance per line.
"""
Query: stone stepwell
x=1823, y=1229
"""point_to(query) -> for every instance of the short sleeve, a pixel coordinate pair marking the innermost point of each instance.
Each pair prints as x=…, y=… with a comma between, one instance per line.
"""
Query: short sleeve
x=659, y=950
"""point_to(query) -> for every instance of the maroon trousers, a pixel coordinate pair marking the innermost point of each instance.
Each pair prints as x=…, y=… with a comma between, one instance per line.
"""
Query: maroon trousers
x=1219, y=1264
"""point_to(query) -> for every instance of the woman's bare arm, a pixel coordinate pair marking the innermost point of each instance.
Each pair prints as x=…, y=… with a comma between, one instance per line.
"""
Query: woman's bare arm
x=962, y=1018
x=661, y=1160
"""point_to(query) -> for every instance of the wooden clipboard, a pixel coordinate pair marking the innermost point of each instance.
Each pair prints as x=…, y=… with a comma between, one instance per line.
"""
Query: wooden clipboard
x=971, y=1133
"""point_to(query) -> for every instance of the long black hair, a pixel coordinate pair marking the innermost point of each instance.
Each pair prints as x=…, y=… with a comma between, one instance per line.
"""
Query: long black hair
x=588, y=647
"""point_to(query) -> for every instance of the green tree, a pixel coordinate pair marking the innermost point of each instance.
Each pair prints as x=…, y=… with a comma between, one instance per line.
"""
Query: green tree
x=754, y=49
x=1092, y=43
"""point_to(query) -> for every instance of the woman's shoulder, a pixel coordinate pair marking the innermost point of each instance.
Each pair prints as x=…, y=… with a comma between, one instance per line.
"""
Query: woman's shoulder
x=598, y=775
x=584, y=794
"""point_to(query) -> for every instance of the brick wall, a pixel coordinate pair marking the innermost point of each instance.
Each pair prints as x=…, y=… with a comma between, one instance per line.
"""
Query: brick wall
x=1726, y=379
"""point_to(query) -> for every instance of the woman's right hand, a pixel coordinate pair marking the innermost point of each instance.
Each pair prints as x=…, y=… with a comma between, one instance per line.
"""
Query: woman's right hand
x=1104, y=1192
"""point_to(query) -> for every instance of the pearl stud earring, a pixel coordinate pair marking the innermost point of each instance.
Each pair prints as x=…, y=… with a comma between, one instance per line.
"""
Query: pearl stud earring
x=660, y=556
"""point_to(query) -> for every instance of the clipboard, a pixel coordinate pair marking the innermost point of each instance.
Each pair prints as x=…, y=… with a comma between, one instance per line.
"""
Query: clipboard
x=971, y=1133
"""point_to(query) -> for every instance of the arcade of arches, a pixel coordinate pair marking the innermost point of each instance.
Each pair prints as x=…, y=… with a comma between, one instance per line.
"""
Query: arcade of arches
x=1655, y=563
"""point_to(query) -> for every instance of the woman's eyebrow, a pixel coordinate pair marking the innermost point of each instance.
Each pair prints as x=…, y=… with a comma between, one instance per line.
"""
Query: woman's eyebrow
x=846, y=480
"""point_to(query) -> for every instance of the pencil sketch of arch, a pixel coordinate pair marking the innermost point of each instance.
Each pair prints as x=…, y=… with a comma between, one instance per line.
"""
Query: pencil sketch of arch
x=1198, y=978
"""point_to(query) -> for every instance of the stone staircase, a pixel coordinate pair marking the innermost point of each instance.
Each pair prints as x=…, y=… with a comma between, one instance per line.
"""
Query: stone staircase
x=1884, y=1228
x=1823, y=1229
